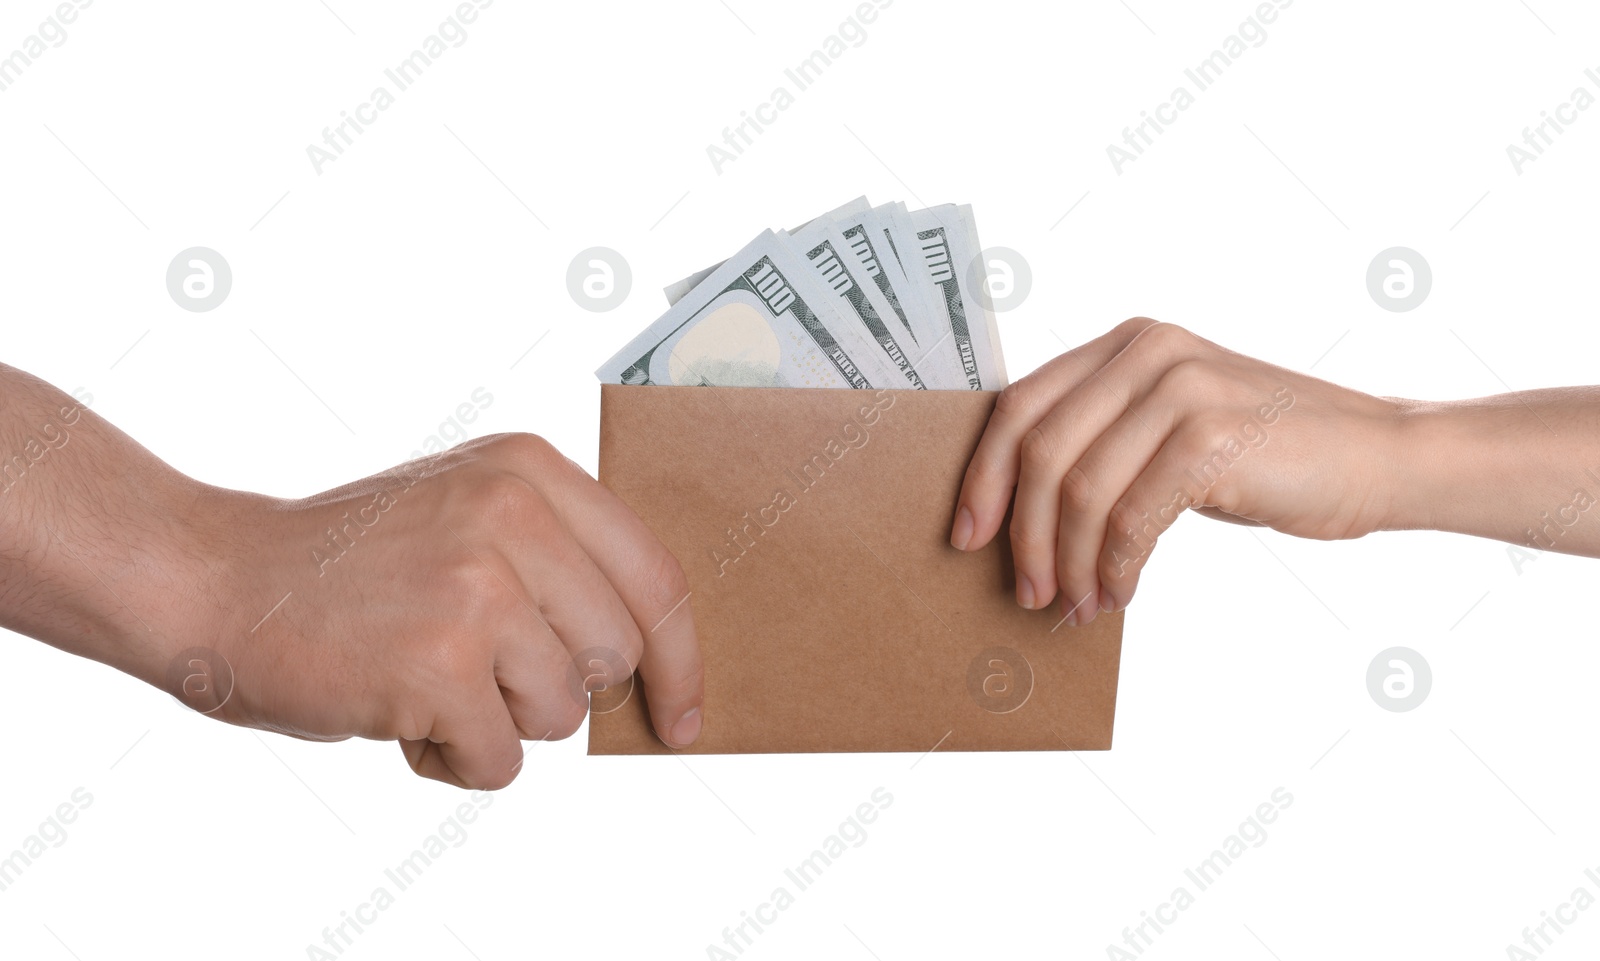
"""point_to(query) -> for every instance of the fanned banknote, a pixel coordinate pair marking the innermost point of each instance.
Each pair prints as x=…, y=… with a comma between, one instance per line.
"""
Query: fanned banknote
x=858, y=297
x=855, y=300
x=862, y=235
x=946, y=247
x=756, y=321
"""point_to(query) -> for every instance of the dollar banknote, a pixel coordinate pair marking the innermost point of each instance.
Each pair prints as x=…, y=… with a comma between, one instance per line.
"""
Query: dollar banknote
x=893, y=223
x=857, y=297
x=946, y=248
x=856, y=300
x=758, y=320
x=862, y=236
x=937, y=351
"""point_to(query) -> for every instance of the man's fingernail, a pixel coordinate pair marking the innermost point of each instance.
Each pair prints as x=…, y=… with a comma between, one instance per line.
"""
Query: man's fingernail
x=961, y=533
x=687, y=729
x=1024, y=591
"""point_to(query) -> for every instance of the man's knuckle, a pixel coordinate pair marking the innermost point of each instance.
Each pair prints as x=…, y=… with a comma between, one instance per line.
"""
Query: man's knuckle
x=456, y=661
x=473, y=588
x=611, y=664
x=625, y=656
x=565, y=720
x=495, y=778
x=664, y=582
x=523, y=447
x=506, y=502
x=691, y=678
x=532, y=455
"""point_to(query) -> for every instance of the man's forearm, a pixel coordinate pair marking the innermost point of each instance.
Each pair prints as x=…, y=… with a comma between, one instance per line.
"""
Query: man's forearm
x=92, y=541
x=453, y=628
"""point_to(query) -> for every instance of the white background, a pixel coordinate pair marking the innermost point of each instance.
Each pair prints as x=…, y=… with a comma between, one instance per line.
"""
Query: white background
x=423, y=263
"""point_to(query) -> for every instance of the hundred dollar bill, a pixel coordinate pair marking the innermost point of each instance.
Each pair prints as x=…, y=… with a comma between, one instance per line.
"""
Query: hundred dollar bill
x=900, y=239
x=946, y=244
x=936, y=355
x=754, y=322
x=975, y=275
x=893, y=224
x=861, y=236
x=855, y=299
x=675, y=291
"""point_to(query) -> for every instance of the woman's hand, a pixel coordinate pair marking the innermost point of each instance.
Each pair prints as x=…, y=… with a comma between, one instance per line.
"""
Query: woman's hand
x=1107, y=444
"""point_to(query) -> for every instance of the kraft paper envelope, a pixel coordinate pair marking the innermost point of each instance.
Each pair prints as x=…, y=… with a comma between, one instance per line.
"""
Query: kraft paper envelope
x=832, y=611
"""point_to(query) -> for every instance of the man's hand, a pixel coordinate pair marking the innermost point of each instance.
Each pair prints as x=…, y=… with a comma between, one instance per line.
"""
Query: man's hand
x=457, y=603
x=1107, y=444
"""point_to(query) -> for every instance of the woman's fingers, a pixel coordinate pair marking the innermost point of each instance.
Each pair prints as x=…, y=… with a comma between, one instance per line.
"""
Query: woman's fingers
x=992, y=473
x=1174, y=480
x=1050, y=449
x=1093, y=501
x=1079, y=450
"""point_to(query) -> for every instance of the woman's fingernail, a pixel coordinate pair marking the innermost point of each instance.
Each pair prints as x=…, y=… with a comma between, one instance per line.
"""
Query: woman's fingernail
x=1088, y=607
x=961, y=533
x=1024, y=591
x=687, y=729
x=1107, y=602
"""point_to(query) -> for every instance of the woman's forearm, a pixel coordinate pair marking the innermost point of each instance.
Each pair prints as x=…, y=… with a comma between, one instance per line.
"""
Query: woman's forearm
x=1521, y=467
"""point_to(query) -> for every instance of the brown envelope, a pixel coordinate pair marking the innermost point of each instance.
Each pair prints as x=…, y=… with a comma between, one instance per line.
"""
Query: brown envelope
x=832, y=611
